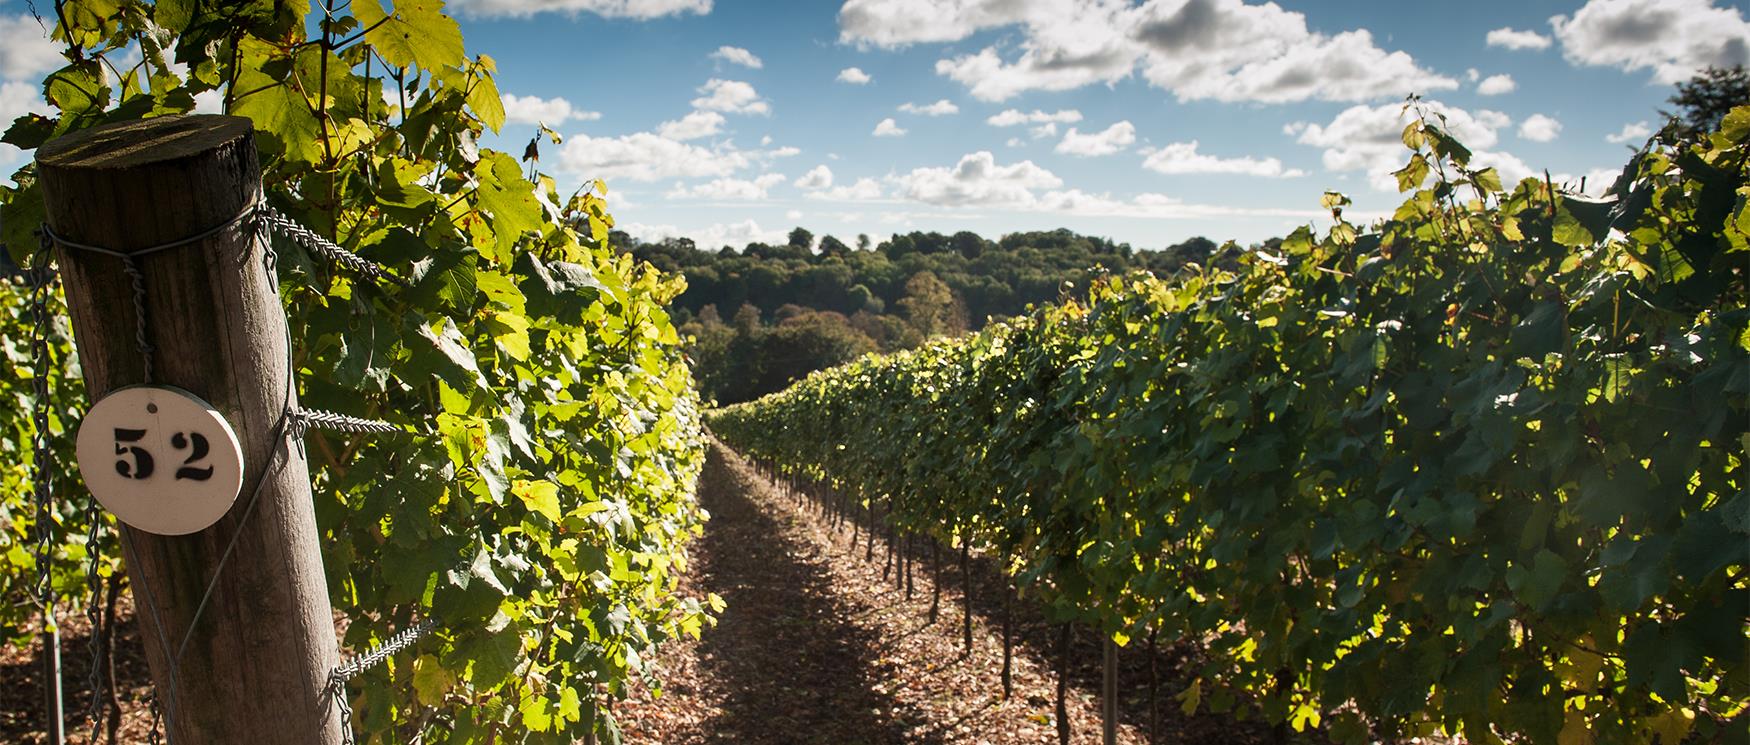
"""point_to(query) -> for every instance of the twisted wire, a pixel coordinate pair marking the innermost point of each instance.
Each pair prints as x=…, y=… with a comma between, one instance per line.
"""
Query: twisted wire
x=305, y=419
x=351, y=668
x=138, y=280
x=323, y=247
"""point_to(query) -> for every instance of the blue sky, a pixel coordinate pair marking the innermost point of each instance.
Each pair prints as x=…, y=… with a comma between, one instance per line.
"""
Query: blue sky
x=1149, y=122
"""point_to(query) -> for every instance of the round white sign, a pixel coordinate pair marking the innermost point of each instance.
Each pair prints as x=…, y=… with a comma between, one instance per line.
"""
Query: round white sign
x=160, y=458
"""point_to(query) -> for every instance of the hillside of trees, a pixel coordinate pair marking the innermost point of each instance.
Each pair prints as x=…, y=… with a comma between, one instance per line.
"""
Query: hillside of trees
x=765, y=315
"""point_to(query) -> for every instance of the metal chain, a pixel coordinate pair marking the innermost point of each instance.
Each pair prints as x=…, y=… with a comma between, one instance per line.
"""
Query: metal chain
x=40, y=281
x=351, y=668
x=95, y=680
x=153, y=735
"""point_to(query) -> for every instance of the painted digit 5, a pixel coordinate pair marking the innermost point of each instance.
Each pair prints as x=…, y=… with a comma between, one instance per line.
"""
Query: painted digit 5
x=141, y=466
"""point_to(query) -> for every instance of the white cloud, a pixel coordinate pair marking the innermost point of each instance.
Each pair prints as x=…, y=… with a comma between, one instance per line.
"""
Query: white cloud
x=1471, y=74
x=1105, y=142
x=638, y=9
x=729, y=189
x=1048, y=129
x=818, y=178
x=976, y=180
x=1495, y=85
x=863, y=190
x=1369, y=139
x=854, y=76
x=16, y=100
x=793, y=214
x=1197, y=49
x=1161, y=207
x=25, y=48
x=213, y=102
x=737, y=56
x=782, y=152
x=1674, y=38
x=735, y=234
x=1183, y=158
x=1539, y=128
x=943, y=107
x=1012, y=117
x=1636, y=132
x=1512, y=38
x=1229, y=51
x=897, y=23
x=536, y=110
x=1016, y=142
x=732, y=96
x=888, y=128
x=646, y=156
x=695, y=125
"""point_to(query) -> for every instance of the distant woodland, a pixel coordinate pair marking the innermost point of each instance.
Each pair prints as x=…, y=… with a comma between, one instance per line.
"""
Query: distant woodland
x=765, y=315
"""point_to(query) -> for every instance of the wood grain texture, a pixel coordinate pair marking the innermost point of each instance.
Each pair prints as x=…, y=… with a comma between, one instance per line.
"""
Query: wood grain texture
x=256, y=666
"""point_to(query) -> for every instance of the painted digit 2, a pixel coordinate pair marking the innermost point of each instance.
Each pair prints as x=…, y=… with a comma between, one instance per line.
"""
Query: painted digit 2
x=161, y=459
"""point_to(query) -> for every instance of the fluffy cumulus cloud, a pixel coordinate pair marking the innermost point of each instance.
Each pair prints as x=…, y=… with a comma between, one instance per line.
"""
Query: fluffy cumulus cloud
x=646, y=156
x=1539, y=128
x=1108, y=141
x=695, y=125
x=1182, y=158
x=820, y=177
x=1012, y=117
x=16, y=100
x=1159, y=207
x=1230, y=51
x=862, y=190
x=550, y=111
x=1495, y=85
x=976, y=180
x=729, y=189
x=732, y=96
x=1673, y=38
x=854, y=76
x=638, y=9
x=1225, y=50
x=1508, y=37
x=897, y=23
x=1633, y=132
x=888, y=128
x=943, y=107
x=25, y=49
x=1369, y=139
x=737, y=56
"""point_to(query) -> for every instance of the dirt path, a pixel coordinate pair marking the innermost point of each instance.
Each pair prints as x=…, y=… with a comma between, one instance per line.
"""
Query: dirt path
x=816, y=647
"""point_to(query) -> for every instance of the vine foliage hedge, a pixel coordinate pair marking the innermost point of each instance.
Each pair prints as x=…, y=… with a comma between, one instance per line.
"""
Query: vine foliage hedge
x=1476, y=468
x=540, y=510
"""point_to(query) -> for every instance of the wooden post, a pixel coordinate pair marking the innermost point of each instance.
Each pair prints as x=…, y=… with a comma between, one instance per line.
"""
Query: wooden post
x=1109, y=690
x=258, y=659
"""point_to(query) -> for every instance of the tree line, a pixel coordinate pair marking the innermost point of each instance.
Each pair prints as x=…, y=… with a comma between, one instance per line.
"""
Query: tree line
x=761, y=317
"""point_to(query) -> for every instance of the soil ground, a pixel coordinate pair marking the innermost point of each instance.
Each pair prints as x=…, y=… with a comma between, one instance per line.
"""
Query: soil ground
x=820, y=643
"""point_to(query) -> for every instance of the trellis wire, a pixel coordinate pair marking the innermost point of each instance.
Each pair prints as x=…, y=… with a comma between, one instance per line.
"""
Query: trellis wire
x=348, y=670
